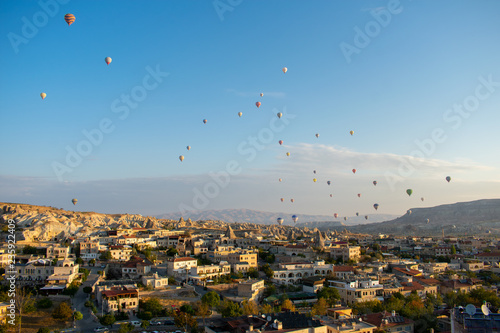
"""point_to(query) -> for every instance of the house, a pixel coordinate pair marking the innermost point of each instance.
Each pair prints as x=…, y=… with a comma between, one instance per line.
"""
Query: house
x=312, y=284
x=458, y=286
x=243, y=260
x=121, y=299
x=199, y=274
x=406, y=272
x=294, y=272
x=55, y=251
x=155, y=281
x=349, y=325
x=358, y=290
x=64, y=273
x=180, y=267
x=89, y=249
x=136, y=267
x=251, y=289
x=390, y=322
x=120, y=252
x=346, y=253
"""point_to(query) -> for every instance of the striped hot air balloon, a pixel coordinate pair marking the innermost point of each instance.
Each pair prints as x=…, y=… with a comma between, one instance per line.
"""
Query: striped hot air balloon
x=69, y=18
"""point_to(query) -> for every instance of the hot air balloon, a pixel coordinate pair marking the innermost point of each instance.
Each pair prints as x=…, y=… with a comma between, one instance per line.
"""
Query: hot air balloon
x=282, y=199
x=345, y=218
x=422, y=198
x=240, y=114
x=375, y=206
x=69, y=18
x=314, y=180
x=366, y=217
x=427, y=221
x=454, y=226
x=359, y=195
x=258, y=104
x=284, y=69
x=336, y=215
x=317, y=135
x=357, y=214
x=188, y=147
x=353, y=170
x=279, y=114
x=408, y=211
x=314, y=171
x=261, y=94
x=204, y=121
x=280, y=142
x=331, y=195
x=181, y=158
x=351, y=132
x=375, y=182
x=74, y=201
x=328, y=182
x=295, y=218
x=43, y=95
x=287, y=154
x=409, y=191
x=108, y=60
x=280, y=179
x=448, y=179
x=292, y=200
x=279, y=220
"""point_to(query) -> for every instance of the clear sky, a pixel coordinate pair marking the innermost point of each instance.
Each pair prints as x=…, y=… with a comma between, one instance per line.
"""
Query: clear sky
x=417, y=81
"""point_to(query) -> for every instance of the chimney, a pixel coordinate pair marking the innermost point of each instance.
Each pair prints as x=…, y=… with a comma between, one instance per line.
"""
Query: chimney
x=393, y=313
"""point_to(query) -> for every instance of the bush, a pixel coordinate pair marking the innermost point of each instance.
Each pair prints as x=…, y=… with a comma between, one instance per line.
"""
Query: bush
x=88, y=304
x=43, y=330
x=44, y=303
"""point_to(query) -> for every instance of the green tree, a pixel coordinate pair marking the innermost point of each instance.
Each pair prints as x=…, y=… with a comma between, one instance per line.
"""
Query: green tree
x=107, y=320
x=92, y=262
x=287, y=305
x=28, y=249
x=87, y=289
x=266, y=308
x=330, y=294
x=187, y=308
x=250, y=308
x=62, y=312
x=78, y=315
x=183, y=319
x=106, y=255
x=453, y=250
x=253, y=273
x=44, y=303
x=172, y=252
x=44, y=330
x=267, y=270
x=79, y=261
x=125, y=328
x=203, y=310
x=144, y=324
x=230, y=309
x=366, y=307
x=212, y=299
x=152, y=305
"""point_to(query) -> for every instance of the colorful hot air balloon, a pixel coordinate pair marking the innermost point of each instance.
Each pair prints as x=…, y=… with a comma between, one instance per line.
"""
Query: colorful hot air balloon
x=317, y=135
x=314, y=180
x=408, y=211
x=295, y=218
x=108, y=60
x=345, y=218
x=279, y=114
x=69, y=18
x=280, y=179
x=188, y=147
x=336, y=215
x=427, y=221
x=351, y=132
x=280, y=142
x=284, y=69
x=287, y=154
x=331, y=195
x=204, y=121
x=422, y=198
x=292, y=200
x=366, y=217
x=258, y=104
x=448, y=179
x=74, y=201
x=261, y=94
x=375, y=206
x=314, y=171
x=328, y=182
x=181, y=158
x=359, y=195
x=357, y=214
x=353, y=170
x=282, y=199
x=43, y=95
x=279, y=220
x=409, y=191
x=375, y=182
x=240, y=114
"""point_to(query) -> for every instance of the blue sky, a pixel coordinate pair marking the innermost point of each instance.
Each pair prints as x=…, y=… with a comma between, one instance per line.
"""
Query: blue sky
x=410, y=78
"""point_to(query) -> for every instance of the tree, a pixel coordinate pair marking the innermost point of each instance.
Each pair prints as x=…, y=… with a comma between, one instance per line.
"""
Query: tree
x=87, y=289
x=230, y=309
x=28, y=249
x=92, y=262
x=44, y=303
x=268, y=271
x=319, y=309
x=107, y=320
x=203, y=310
x=266, y=308
x=78, y=315
x=453, y=250
x=253, y=273
x=125, y=328
x=62, y=312
x=43, y=330
x=330, y=294
x=172, y=252
x=183, y=319
x=152, y=305
x=23, y=299
x=212, y=299
x=144, y=324
x=187, y=308
x=79, y=261
x=250, y=308
x=106, y=255
x=287, y=305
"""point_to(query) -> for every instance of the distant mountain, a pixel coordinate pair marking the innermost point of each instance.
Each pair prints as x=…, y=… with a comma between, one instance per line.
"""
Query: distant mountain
x=474, y=217
x=254, y=216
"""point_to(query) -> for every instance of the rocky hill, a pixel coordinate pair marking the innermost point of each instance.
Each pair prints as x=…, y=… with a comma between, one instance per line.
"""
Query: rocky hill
x=474, y=217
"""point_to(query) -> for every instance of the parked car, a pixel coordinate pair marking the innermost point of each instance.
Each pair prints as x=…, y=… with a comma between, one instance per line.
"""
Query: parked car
x=155, y=322
x=101, y=329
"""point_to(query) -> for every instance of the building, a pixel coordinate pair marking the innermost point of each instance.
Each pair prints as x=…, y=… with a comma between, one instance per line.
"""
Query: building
x=349, y=325
x=155, y=281
x=243, y=260
x=312, y=284
x=180, y=267
x=294, y=272
x=390, y=322
x=89, y=249
x=200, y=274
x=55, y=251
x=488, y=256
x=251, y=289
x=120, y=252
x=136, y=267
x=358, y=290
x=121, y=299
x=346, y=253
x=42, y=271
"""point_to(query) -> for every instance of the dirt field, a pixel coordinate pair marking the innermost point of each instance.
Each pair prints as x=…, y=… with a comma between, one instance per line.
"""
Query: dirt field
x=42, y=318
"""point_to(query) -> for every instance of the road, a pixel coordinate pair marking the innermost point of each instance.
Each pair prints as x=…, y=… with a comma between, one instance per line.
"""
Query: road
x=87, y=324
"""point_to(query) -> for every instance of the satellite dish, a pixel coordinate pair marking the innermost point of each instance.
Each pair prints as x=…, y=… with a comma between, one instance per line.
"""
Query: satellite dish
x=485, y=309
x=269, y=318
x=470, y=309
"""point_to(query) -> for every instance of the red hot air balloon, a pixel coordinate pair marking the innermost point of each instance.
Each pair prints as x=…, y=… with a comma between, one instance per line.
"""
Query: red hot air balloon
x=336, y=215
x=280, y=142
x=69, y=18
x=204, y=121
x=375, y=182
x=359, y=195
x=353, y=170
x=258, y=104
x=282, y=199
